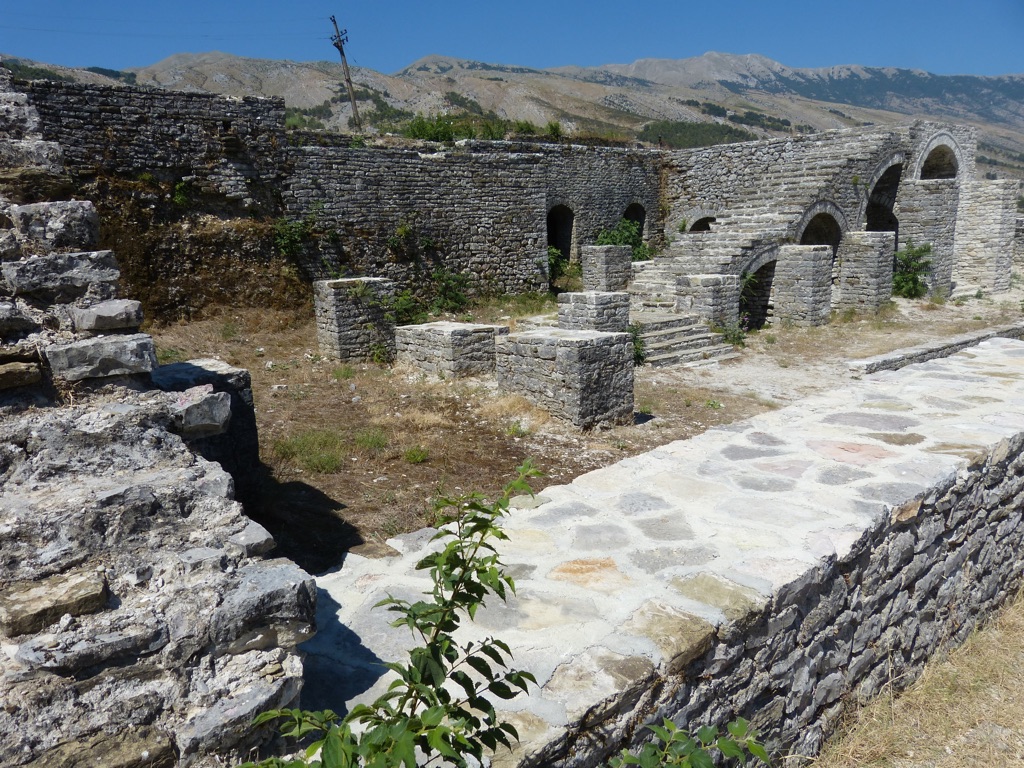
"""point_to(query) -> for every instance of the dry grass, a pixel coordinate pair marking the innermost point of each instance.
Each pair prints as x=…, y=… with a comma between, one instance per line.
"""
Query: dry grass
x=965, y=711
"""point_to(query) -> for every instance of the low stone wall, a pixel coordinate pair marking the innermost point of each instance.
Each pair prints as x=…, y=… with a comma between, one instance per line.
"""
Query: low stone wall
x=713, y=298
x=865, y=271
x=803, y=284
x=594, y=311
x=781, y=569
x=606, y=267
x=352, y=318
x=927, y=217
x=448, y=349
x=584, y=377
x=922, y=353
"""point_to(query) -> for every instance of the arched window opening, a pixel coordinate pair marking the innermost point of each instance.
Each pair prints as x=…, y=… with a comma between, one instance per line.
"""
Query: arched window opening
x=879, y=212
x=703, y=225
x=940, y=164
x=560, y=226
x=823, y=229
x=638, y=215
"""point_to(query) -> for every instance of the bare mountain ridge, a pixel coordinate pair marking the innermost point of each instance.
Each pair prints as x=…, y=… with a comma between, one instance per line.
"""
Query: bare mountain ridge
x=623, y=97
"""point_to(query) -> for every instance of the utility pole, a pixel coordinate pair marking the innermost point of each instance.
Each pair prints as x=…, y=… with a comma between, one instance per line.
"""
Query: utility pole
x=339, y=40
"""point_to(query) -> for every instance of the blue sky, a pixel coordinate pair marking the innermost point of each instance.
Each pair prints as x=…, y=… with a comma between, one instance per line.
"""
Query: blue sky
x=978, y=37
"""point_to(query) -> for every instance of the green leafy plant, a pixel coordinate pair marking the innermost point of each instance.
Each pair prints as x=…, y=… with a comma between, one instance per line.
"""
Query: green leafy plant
x=909, y=271
x=556, y=263
x=676, y=747
x=554, y=130
x=626, y=232
x=452, y=723
x=183, y=194
x=449, y=291
x=713, y=404
x=417, y=454
x=291, y=236
x=639, y=345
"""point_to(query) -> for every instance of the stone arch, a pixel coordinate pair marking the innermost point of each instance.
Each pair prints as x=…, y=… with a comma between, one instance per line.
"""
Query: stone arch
x=703, y=225
x=824, y=223
x=940, y=158
x=880, y=204
x=756, y=289
x=697, y=220
x=636, y=213
x=561, y=229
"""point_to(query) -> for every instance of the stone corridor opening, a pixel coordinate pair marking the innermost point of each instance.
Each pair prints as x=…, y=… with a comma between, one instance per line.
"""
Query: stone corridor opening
x=756, y=297
x=638, y=215
x=940, y=164
x=560, y=231
x=703, y=225
x=880, y=215
x=823, y=229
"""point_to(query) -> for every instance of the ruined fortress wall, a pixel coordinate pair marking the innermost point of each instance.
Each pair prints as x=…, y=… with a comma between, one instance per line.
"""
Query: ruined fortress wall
x=1018, y=244
x=229, y=145
x=927, y=216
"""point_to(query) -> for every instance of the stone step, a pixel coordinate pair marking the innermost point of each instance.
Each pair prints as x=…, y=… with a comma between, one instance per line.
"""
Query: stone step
x=699, y=338
x=693, y=358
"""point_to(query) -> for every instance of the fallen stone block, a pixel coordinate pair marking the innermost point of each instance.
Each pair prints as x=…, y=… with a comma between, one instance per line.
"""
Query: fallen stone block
x=28, y=607
x=19, y=375
x=63, y=277
x=201, y=412
x=113, y=315
x=52, y=227
x=254, y=540
x=102, y=357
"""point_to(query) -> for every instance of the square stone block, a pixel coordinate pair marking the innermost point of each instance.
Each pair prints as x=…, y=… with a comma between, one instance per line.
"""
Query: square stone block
x=448, y=349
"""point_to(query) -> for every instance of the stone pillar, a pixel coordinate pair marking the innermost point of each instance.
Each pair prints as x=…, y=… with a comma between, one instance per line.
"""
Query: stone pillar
x=594, y=311
x=448, y=349
x=353, y=320
x=985, y=236
x=584, y=377
x=803, y=284
x=606, y=267
x=713, y=298
x=865, y=271
x=928, y=215
x=1018, y=244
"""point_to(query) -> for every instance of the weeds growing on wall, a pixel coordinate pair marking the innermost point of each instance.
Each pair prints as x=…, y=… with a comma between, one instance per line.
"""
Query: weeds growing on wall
x=626, y=232
x=453, y=724
x=639, y=345
x=909, y=271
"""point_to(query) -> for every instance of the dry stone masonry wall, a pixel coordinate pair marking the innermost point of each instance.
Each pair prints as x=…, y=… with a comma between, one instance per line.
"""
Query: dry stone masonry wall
x=865, y=272
x=353, y=320
x=984, y=256
x=448, y=350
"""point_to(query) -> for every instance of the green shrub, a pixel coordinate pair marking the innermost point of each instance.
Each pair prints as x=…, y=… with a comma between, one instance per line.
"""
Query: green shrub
x=419, y=712
x=183, y=193
x=553, y=130
x=416, y=455
x=626, y=232
x=674, y=747
x=909, y=271
x=639, y=346
x=557, y=263
x=449, y=291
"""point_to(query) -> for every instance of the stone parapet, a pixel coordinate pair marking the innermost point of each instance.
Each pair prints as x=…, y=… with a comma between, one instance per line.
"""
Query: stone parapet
x=606, y=267
x=865, y=271
x=583, y=377
x=353, y=320
x=594, y=311
x=448, y=349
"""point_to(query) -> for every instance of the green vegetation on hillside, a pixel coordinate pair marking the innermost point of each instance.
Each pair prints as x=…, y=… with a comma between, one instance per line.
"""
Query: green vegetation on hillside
x=27, y=72
x=128, y=78
x=683, y=135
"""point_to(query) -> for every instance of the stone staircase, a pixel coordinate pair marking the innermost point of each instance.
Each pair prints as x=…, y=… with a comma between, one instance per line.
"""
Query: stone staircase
x=684, y=340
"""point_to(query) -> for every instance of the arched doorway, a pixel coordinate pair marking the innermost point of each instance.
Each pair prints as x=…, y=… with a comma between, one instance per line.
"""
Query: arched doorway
x=638, y=215
x=756, y=296
x=823, y=229
x=560, y=230
x=703, y=225
x=940, y=164
x=879, y=213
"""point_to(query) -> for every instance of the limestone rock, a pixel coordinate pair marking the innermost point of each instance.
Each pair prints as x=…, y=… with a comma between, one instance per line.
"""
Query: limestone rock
x=10, y=248
x=27, y=607
x=60, y=226
x=201, y=412
x=139, y=748
x=101, y=357
x=62, y=278
x=112, y=315
x=19, y=375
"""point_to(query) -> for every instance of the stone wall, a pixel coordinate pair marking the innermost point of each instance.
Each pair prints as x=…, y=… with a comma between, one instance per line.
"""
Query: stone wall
x=448, y=349
x=1018, y=244
x=606, y=267
x=803, y=284
x=865, y=271
x=926, y=217
x=594, y=311
x=222, y=145
x=985, y=235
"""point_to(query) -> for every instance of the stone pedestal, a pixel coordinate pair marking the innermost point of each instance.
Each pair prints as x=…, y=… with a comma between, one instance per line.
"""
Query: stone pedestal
x=353, y=319
x=448, y=349
x=803, y=284
x=594, y=311
x=606, y=267
x=584, y=377
x=865, y=271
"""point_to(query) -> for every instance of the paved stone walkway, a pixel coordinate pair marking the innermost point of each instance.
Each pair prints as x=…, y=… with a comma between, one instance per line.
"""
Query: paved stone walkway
x=636, y=563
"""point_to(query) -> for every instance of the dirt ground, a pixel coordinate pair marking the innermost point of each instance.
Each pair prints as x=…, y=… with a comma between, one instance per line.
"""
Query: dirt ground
x=356, y=453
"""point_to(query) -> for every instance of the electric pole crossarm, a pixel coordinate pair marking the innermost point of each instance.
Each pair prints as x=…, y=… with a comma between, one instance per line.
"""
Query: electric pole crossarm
x=339, y=40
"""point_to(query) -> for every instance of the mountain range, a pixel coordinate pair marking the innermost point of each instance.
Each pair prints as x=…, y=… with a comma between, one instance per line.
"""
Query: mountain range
x=760, y=95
